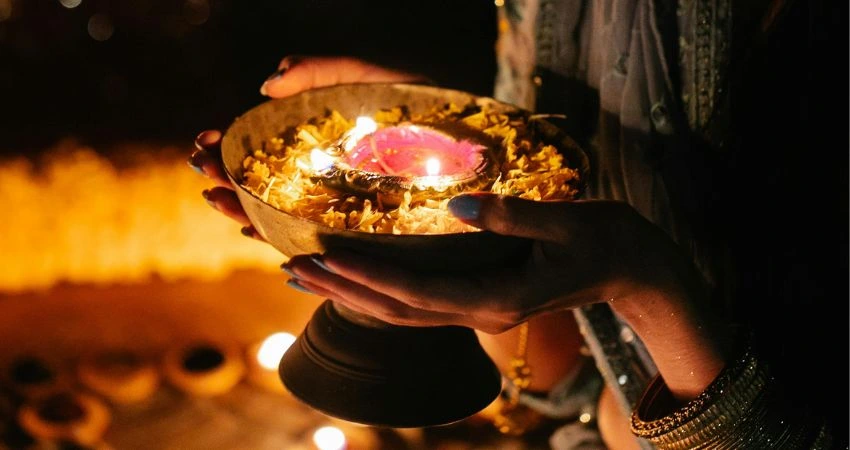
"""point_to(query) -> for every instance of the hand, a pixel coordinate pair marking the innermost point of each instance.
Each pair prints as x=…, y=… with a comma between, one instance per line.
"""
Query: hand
x=583, y=252
x=294, y=75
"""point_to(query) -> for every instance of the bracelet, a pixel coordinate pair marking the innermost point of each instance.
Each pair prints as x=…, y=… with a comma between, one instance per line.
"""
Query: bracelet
x=744, y=407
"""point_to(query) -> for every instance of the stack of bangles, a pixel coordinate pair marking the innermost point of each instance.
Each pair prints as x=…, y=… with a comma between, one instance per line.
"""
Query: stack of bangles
x=744, y=407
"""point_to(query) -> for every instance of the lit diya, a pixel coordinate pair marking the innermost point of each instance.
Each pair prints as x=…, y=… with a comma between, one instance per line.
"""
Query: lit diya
x=385, y=162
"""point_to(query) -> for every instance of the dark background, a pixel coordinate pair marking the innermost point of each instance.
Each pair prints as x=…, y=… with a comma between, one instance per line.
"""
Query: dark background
x=170, y=68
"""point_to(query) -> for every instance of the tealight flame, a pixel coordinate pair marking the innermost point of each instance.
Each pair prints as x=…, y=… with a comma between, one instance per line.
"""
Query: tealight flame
x=363, y=126
x=329, y=438
x=432, y=167
x=273, y=348
x=320, y=160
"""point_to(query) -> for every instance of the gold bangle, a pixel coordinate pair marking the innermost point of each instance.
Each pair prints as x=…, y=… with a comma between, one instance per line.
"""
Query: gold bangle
x=744, y=407
x=646, y=425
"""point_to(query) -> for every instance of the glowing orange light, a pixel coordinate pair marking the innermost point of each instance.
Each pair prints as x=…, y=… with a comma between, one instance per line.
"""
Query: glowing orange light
x=329, y=438
x=273, y=348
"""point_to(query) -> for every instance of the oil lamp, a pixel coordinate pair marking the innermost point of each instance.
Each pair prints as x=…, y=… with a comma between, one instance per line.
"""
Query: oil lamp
x=385, y=162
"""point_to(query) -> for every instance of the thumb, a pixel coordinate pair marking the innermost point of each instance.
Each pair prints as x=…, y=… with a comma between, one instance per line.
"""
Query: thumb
x=510, y=215
x=297, y=74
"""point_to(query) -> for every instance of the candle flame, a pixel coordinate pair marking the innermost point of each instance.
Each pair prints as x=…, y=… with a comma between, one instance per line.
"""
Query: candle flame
x=320, y=160
x=363, y=126
x=432, y=167
x=329, y=438
x=273, y=348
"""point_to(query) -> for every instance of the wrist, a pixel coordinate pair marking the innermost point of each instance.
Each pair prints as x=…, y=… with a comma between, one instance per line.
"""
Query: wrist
x=669, y=311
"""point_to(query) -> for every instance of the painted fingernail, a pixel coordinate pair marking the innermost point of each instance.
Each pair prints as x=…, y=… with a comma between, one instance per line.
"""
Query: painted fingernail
x=206, y=195
x=247, y=231
x=287, y=270
x=319, y=261
x=465, y=207
x=295, y=285
x=194, y=162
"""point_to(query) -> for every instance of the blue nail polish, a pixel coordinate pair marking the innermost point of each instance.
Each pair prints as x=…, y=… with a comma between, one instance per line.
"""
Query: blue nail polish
x=317, y=260
x=192, y=162
x=289, y=272
x=294, y=285
x=465, y=207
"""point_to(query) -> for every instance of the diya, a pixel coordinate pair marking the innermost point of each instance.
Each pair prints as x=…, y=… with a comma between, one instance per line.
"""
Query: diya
x=346, y=364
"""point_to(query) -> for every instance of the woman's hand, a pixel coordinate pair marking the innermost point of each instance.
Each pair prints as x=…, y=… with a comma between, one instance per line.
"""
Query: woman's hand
x=294, y=74
x=583, y=252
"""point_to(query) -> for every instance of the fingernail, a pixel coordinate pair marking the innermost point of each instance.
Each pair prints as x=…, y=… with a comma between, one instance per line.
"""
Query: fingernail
x=295, y=285
x=206, y=195
x=274, y=76
x=206, y=138
x=194, y=164
x=317, y=259
x=285, y=268
x=247, y=231
x=277, y=74
x=465, y=207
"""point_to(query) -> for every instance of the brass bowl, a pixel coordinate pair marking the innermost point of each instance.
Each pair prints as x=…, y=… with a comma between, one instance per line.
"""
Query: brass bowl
x=294, y=235
x=355, y=367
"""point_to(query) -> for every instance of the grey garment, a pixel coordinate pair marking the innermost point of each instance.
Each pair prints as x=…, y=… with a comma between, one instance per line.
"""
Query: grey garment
x=635, y=78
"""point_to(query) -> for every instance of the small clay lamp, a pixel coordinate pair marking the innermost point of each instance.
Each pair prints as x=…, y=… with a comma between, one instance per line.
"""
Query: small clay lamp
x=204, y=369
x=74, y=417
x=120, y=376
x=31, y=377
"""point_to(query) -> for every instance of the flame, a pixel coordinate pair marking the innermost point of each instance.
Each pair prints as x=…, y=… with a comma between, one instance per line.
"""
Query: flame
x=320, y=160
x=432, y=167
x=273, y=348
x=363, y=126
x=329, y=438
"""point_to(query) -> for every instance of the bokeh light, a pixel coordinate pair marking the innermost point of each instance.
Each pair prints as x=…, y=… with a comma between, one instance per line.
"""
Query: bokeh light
x=100, y=27
x=5, y=9
x=70, y=4
x=329, y=438
x=273, y=348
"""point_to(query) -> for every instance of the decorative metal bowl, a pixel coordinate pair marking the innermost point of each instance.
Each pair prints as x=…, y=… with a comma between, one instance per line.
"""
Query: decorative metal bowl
x=353, y=366
x=294, y=235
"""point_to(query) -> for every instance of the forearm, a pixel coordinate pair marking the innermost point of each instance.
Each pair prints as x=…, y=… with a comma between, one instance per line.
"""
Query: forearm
x=686, y=343
x=665, y=301
x=721, y=390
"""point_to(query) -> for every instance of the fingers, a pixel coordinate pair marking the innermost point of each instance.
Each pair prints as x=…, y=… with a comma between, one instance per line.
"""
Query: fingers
x=225, y=201
x=206, y=160
x=479, y=296
x=513, y=216
x=297, y=74
x=251, y=232
x=309, y=276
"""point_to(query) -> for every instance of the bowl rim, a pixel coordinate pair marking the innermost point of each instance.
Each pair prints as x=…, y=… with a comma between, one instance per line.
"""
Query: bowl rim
x=225, y=137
